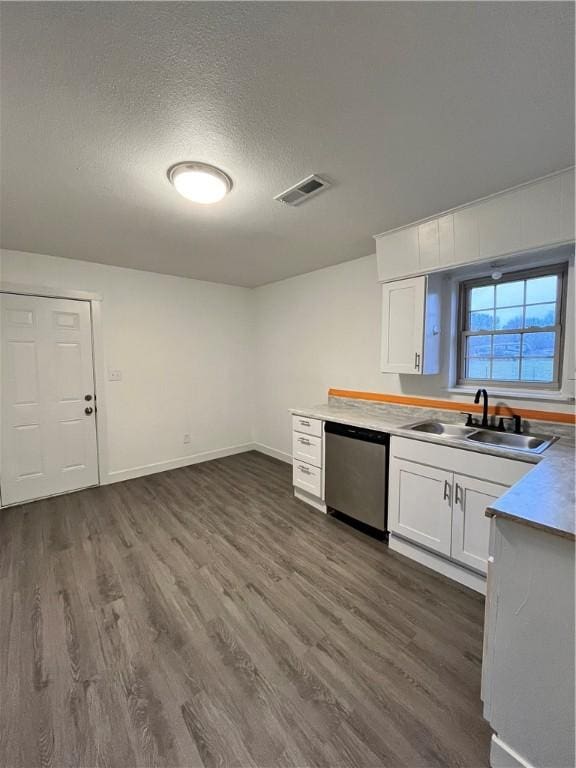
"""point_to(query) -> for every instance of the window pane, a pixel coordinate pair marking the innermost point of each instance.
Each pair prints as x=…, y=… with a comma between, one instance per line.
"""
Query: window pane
x=482, y=297
x=537, y=369
x=507, y=345
x=538, y=344
x=477, y=368
x=512, y=329
x=540, y=315
x=510, y=294
x=509, y=318
x=481, y=321
x=506, y=369
x=540, y=289
x=479, y=346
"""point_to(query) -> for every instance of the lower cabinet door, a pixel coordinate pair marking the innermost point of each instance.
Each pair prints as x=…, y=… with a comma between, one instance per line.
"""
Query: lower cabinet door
x=420, y=504
x=470, y=526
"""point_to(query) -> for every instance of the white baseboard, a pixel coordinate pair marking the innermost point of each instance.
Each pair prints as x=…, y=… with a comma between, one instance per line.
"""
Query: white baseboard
x=503, y=756
x=286, y=457
x=119, y=475
x=313, y=501
x=439, y=564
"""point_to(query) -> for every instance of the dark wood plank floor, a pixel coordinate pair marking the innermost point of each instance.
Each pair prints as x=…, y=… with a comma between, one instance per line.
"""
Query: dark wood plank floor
x=204, y=617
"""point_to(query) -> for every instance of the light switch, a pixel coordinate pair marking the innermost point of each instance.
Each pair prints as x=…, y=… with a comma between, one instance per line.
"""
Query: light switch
x=114, y=374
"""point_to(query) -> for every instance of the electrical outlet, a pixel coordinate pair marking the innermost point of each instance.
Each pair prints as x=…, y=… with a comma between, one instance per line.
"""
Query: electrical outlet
x=114, y=374
x=186, y=439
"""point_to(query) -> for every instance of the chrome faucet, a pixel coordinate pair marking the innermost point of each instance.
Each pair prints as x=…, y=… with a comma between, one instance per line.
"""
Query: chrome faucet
x=484, y=394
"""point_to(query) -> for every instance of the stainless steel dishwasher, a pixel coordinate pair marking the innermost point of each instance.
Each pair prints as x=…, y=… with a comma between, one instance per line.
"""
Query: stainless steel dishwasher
x=357, y=473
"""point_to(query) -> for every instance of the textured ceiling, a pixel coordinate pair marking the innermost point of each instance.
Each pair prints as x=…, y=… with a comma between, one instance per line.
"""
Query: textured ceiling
x=409, y=108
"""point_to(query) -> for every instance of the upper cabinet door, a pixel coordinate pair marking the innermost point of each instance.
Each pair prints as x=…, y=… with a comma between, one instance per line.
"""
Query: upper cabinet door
x=403, y=307
x=446, y=239
x=567, y=224
x=470, y=526
x=466, y=237
x=500, y=230
x=428, y=245
x=548, y=211
x=397, y=253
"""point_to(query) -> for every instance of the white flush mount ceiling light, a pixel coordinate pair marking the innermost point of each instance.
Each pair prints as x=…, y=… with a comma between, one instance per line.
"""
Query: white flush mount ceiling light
x=200, y=182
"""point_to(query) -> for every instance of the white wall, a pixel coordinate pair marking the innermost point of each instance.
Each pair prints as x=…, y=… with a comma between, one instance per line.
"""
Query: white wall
x=322, y=330
x=185, y=351
x=225, y=364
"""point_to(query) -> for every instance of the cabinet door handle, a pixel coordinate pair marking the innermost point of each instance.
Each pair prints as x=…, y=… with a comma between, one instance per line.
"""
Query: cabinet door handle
x=417, y=360
x=447, y=491
x=459, y=496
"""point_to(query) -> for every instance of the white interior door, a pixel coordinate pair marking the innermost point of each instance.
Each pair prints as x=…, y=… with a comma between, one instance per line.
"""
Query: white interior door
x=48, y=439
x=403, y=304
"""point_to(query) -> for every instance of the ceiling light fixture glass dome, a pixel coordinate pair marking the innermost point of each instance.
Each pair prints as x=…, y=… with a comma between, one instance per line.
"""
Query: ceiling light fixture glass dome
x=200, y=182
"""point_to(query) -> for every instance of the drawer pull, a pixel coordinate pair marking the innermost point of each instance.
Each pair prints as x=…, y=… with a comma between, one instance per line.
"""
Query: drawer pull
x=304, y=469
x=304, y=423
x=304, y=441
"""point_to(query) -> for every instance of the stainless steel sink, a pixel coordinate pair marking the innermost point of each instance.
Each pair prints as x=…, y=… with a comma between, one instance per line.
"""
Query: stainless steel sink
x=442, y=430
x=526, y=443
x=513, y=442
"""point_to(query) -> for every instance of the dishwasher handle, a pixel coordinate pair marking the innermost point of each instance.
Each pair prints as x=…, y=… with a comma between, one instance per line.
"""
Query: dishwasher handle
x=357, y=433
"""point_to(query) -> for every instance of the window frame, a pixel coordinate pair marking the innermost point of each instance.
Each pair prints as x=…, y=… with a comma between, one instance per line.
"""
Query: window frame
x=561, y=272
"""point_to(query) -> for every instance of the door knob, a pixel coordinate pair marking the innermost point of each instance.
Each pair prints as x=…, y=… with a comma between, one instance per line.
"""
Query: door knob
x=88, y=411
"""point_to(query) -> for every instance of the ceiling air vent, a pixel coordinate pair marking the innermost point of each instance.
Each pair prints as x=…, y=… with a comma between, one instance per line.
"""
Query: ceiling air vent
x=302, y=191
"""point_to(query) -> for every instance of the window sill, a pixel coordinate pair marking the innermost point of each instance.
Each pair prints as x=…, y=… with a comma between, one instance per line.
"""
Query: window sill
x=556, y=397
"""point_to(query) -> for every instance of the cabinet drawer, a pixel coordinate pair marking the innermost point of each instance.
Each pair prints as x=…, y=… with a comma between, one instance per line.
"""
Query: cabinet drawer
x=307, y=448
x=307, y=426
x=307, y=477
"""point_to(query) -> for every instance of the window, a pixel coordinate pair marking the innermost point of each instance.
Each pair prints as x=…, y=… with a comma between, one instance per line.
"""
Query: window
x=511, y=329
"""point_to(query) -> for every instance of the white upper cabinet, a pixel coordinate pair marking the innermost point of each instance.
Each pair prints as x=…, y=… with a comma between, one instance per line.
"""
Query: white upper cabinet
x=567, y=223
x=403, y=325
x=429, y=245
x=499, y=222
x=446, y=239
x=411, y=326
x=536, y=215
x=466, y=238
x=400, y=252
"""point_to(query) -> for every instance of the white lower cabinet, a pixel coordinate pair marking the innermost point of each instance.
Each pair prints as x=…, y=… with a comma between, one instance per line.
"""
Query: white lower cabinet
x=307, y=448
x=420, y=505
x=470, y=526
x=437, y=503
x=308, y=460
x=307, y=477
